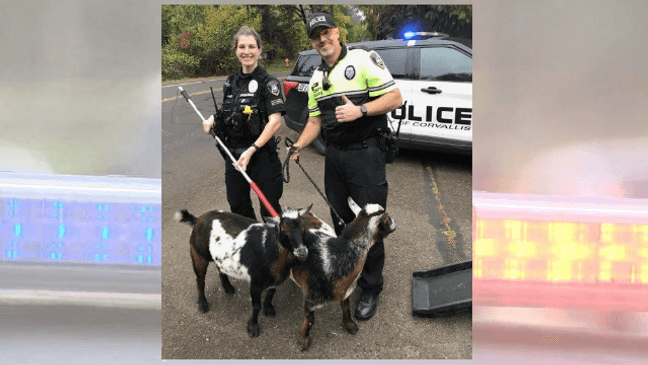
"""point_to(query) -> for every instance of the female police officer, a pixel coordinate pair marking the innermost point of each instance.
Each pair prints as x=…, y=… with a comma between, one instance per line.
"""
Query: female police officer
x=248, y=119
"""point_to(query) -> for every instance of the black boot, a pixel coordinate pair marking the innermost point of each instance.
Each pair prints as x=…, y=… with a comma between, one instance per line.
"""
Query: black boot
x=366, y=307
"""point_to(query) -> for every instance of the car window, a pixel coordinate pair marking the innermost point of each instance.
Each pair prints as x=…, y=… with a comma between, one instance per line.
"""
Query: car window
x=445, y=64
x=306, y=65
x=395, y=60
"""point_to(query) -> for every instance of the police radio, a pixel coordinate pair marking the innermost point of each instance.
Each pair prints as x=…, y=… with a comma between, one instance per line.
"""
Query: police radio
x=390, y=140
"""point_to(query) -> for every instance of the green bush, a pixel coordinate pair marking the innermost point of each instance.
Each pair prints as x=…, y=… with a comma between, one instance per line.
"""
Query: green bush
x=177, y=62
x=212, y=43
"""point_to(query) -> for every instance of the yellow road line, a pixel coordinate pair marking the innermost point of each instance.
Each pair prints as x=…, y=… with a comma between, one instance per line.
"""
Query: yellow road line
x=179, y=96
x=448, y=232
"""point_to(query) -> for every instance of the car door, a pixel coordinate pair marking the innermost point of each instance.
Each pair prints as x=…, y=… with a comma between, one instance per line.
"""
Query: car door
x=399, y=63
x=440, y=113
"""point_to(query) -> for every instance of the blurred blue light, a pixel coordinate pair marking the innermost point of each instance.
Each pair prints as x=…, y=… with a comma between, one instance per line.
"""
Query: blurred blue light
x=408, y=35
x=39, y=231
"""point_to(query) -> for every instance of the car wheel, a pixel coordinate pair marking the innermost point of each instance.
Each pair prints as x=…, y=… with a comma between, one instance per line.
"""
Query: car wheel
x=318, y=143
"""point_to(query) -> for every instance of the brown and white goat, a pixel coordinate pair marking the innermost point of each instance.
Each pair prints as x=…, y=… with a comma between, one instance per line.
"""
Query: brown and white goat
x=334, y=264
x=261, y=253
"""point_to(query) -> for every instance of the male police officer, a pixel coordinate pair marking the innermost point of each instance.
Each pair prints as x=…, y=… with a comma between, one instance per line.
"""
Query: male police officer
x=348, y=97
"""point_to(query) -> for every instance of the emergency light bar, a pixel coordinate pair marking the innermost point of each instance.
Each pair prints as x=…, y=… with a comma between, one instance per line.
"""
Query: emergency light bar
x=555, y=251
x=80, y=219
x=422, y=35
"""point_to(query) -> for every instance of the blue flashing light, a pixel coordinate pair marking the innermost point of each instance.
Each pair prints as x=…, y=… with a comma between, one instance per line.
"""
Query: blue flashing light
x=409, y=35
x=91, y=232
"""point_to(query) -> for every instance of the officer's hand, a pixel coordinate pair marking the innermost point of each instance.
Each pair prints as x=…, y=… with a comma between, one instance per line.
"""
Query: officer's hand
x=244, y=160
x=295, y=154
x=347, y=112
x=207, y=125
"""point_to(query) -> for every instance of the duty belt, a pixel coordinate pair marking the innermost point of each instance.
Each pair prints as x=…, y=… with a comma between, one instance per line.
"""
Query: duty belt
x=351, y=146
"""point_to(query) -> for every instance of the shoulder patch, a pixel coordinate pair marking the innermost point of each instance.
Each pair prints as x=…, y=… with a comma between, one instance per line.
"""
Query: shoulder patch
x=375, y=58
x=273, y=87
x=349, y=73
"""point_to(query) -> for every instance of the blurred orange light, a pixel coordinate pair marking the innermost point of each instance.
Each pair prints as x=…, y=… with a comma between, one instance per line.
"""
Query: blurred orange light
x=522, y=249
x=484, y=247
x=561, y=251
x=559, y=270
x=613, y=252
x=571, y=251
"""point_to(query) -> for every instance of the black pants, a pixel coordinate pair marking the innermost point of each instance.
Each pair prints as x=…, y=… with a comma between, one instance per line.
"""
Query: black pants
x=359, y=174
x=265, y=170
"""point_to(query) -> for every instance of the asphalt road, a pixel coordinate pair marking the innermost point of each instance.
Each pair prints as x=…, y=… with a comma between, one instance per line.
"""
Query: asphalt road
x=429, y=198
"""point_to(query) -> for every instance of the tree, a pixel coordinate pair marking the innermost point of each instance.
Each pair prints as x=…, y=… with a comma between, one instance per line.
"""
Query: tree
x=177, y=19
x=391, y=21
x=214, y=37
x=197, y=39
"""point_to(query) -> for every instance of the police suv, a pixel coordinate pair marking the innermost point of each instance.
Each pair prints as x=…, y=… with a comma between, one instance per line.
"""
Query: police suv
x=434, y=75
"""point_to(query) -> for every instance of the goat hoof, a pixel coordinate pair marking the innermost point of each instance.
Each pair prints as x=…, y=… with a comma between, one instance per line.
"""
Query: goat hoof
x=351, y=327
x=203, y=306
x=269, y=311
x=304, y=343
x=253, y=330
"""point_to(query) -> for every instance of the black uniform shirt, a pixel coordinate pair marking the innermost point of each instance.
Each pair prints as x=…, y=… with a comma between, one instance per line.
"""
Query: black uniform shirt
x=269, y=88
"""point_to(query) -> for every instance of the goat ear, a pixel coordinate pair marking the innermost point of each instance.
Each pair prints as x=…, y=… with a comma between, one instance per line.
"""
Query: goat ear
x=354, y=207
x=305, y=210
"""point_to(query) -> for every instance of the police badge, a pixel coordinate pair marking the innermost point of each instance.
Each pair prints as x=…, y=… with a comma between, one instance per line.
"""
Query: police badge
x=273, y=87
x=349, y=73
x=375, y=58
x=253, y=86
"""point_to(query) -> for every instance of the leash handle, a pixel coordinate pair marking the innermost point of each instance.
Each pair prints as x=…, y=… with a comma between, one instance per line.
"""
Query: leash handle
x=290, y=144
x=256, y=189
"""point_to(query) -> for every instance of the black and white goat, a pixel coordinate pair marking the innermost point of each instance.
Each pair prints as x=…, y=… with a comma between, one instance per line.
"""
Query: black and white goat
x=334, y=264
x=261, y=253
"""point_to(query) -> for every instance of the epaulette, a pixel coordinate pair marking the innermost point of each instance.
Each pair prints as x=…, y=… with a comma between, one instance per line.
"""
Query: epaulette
x=360, y=46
